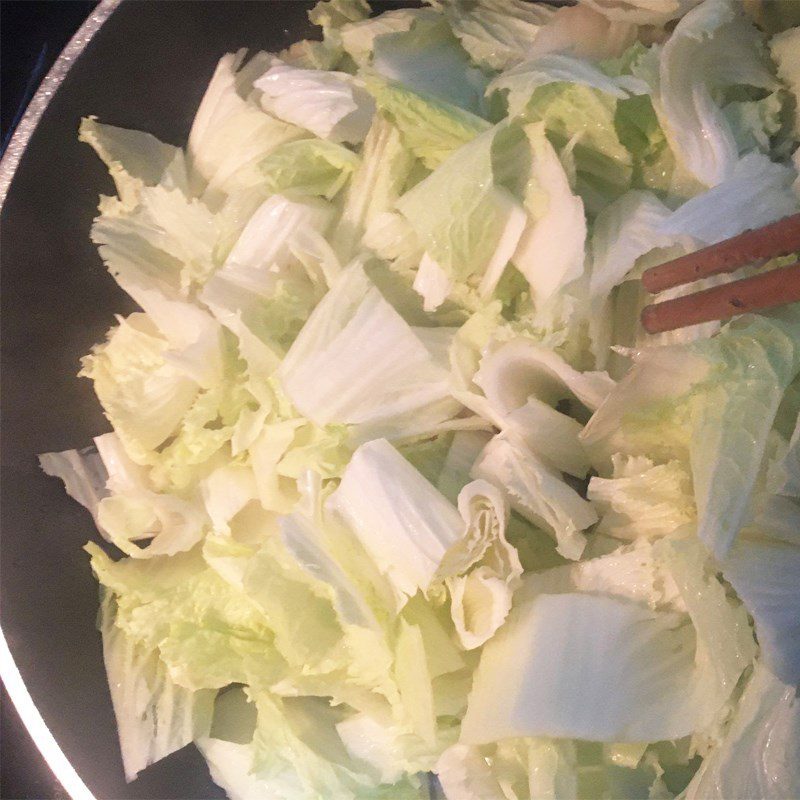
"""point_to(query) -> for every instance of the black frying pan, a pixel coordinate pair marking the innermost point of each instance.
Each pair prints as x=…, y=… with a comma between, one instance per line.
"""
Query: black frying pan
x=146, y=68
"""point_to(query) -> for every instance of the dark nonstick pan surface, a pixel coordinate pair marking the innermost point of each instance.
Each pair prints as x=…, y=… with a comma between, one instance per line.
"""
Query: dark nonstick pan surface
x=146, y=68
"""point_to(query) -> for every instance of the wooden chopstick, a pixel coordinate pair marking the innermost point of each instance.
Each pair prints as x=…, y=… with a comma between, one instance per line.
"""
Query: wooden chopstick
x=777, y=239
x=777, y=287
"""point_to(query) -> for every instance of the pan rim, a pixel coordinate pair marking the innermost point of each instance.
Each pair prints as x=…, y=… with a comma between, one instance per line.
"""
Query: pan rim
x=44, y=94
x=31, y=717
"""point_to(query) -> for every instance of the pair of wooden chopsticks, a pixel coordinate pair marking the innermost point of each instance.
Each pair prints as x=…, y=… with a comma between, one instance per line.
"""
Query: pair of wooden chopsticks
x=773, y=288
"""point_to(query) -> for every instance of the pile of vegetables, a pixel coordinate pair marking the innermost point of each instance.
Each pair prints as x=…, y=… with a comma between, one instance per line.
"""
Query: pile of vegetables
x=397, y=486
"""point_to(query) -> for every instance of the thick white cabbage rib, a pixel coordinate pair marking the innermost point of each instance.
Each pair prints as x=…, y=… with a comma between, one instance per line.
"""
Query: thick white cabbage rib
x=155, y=716
x=550, y=252
x=713, y=46
x=523, y=382
x=763, y=571
x=402, y=520
x=268, y=257
x=759, y=755
x=357, y=362
x=301, y=537
x=646, y=675
x=374, y=189
x=522, y=369
x=263, y=253
x=537, y=492
x=482, y=569
x=231, y=133
x=633, y=666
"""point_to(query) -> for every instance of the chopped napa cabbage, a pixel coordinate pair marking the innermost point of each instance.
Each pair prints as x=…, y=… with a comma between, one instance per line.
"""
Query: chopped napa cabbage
x=432, y=129
x=400, y=518
x=164, y=242
x=231, y=134
x=266, y=252
x=464, y=774
x=520, y=768
x=579, y=120
x=758, y=755
x=296, y=749
x=312, y=54
x=644, y=650
x=767, y=352
x=359, y=37
x=638, y=223
x=642, y=499
x=628, y=685
x=134, y=159
x=496, y=33
x=538, y=492
x=522, y=81
x=624, y=231
x=783, y=48
x=309, y=166
x=636, y=572
x=763, y=571
x=155, y=716
x=83, y=474
x=696, y=404
x=333, y=15
x=482, y=569
x=331, y=373
x=375, y=187
x=550, y=252
x=756, y=192
x=143, y=394
x=523, y=383
x=712, y=47
x=207, y=632
x=754, y=122
x=400, y=497
x=522, y=369
x=331, y=105
x=581, y=31
x=469, y=222
x=643, y=12
x=414, y=683
x=428, y=59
